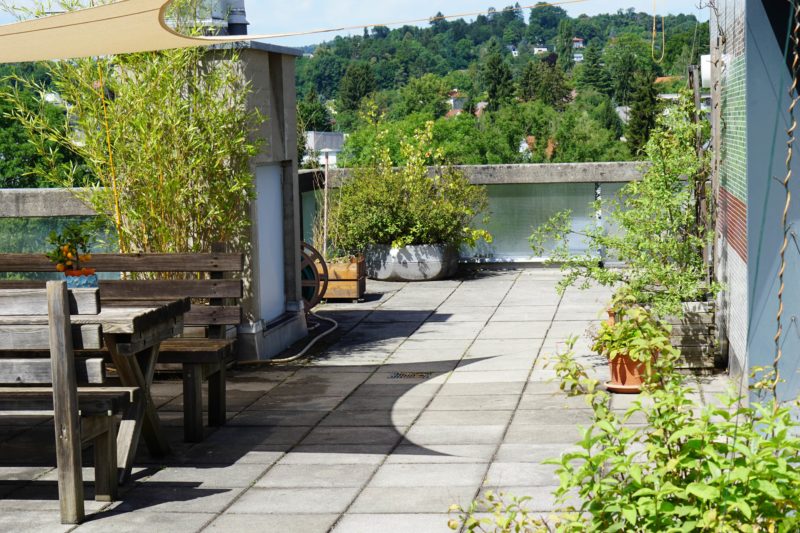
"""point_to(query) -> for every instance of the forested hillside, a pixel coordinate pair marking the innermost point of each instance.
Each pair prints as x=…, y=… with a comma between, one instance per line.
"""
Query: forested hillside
x=560, y=102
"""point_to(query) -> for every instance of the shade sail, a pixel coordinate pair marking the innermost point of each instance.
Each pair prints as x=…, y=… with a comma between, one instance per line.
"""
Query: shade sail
x=121, y=27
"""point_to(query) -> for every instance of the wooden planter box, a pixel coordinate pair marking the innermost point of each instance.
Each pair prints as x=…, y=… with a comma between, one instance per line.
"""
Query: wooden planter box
x=696, y=337
x=347, y=281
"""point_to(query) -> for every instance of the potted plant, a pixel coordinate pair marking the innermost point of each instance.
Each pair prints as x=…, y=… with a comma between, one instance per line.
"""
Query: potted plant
x=71, y=253
x=660, y=237
x=408, y=221
x=636, y=344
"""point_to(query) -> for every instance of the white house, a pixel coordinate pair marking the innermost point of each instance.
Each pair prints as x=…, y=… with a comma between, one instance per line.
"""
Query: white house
x=322, y=144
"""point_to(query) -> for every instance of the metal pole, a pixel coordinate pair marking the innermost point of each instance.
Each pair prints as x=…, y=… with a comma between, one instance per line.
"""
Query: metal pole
x=325, y=211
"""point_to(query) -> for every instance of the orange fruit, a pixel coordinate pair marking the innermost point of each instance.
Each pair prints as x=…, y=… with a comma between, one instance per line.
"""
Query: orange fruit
x=69, y=263
x=60, y=267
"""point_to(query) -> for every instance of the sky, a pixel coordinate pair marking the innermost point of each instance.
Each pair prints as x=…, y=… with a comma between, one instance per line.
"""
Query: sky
x=269, y=17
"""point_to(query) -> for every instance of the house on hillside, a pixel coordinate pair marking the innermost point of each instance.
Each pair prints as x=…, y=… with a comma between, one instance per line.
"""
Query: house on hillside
x=750, y=83
x=578, y=43
x=324, y=146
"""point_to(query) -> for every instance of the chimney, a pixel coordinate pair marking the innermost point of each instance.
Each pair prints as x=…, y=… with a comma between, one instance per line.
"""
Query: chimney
x=237, y=19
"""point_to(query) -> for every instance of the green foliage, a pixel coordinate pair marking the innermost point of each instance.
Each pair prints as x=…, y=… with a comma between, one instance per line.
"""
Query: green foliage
x=497, y=513
x=19, y=157
x=659, y=239
x=635, y=333
x=165, y=135
x=626, y=56
x=313, y=114
x=357, y=83
x=543, y=81
x=497, y=78
x=593, y=74
x=726, y=467
x=72, y=245
x=382, y=204
x=566, y=33
x=426, y=95
x=644, y=109
x=544, y=22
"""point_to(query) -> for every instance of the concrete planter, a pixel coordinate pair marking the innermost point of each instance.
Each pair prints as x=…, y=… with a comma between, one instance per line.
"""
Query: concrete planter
x=427, y=262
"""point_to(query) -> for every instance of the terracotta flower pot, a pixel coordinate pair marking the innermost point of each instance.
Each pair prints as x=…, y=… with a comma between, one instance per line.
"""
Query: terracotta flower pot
x=626, y=375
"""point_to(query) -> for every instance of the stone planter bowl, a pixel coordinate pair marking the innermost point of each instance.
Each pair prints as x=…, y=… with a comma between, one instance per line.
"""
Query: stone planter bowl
x=427, y=262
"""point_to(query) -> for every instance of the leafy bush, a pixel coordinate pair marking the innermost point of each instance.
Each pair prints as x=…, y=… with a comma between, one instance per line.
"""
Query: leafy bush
x=636, y=333
x=402, y=206
x=729, y=467
x=660, y=238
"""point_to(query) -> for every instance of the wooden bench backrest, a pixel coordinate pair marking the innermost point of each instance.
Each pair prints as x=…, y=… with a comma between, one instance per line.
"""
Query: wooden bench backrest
x=19, y=332
x=218, y=291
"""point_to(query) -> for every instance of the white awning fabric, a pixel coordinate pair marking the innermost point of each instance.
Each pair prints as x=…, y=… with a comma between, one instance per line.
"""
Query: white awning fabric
x=121, y=27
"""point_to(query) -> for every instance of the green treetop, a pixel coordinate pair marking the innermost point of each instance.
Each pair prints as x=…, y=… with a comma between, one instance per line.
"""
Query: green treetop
x=566, y=32
x=497, y=78
x=644, y=109
x=594, y=75
x=358, y=82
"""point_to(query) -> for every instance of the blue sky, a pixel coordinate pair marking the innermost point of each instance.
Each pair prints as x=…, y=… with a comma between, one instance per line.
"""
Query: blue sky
x=302, y=15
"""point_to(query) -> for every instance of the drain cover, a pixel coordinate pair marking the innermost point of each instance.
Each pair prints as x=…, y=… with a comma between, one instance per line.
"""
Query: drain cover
x=410, y=375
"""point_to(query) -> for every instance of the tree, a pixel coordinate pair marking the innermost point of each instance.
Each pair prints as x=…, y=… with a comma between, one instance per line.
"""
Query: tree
x=566, y=33
x=358, y=82
x=545, y=82
x=644, y=109
x=544, y=22
x=594, y=74
x=427, y=95
x=497, y=78
x=624, y=57
x=313, y=114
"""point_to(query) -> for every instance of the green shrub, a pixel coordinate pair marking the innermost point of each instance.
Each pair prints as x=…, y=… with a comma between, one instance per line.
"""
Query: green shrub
x=660, y=238
x=382, y=204
x=667, y=464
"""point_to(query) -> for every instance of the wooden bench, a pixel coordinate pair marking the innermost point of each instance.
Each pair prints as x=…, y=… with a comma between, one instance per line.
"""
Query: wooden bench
x=82, y=415
x=206, y=349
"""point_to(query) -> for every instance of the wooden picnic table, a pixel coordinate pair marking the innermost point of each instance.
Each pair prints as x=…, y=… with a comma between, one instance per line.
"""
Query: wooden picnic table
x=133, y=335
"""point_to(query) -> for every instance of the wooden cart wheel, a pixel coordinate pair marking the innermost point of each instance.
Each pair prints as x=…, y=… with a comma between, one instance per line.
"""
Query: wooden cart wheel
x=313, y=276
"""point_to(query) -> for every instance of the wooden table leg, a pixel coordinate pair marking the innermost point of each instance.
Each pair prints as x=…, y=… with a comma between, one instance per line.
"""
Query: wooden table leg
x=141, y=418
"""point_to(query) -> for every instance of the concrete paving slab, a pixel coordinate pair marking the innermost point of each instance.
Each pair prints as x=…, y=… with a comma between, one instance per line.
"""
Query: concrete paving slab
x=442, y=453
x=410, y=499
x=135, y=522
x=451, y=434
x=523, y=473
x=272, y=523
x=466, y=418
x=429, y=475
x=228, y=476
x=291, y=501
x=32, y=522
x=178, y=498
x=464, y=376
x=353, y=435
x=304, y=475
x=520, y=313
x=515, y=330
x=396, y=523
x=337, y=454
x=455, y=402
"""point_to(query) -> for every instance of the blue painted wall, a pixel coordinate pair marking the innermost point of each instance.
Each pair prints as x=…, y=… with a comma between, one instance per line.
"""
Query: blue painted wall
x=768, y=82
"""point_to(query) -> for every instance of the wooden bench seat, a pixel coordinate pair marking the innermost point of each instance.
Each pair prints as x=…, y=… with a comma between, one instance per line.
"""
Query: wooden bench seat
x=205, y=354
x=92, y=401
x=81, y=415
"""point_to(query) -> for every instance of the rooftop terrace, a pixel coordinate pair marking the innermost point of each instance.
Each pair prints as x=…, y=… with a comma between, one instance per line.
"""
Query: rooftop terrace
x=427, y=395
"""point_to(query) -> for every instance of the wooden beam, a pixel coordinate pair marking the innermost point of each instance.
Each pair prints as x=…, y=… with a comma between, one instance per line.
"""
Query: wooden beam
x=65, y=405
x=38, y=371
x=132, y=263
x=34, y=302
